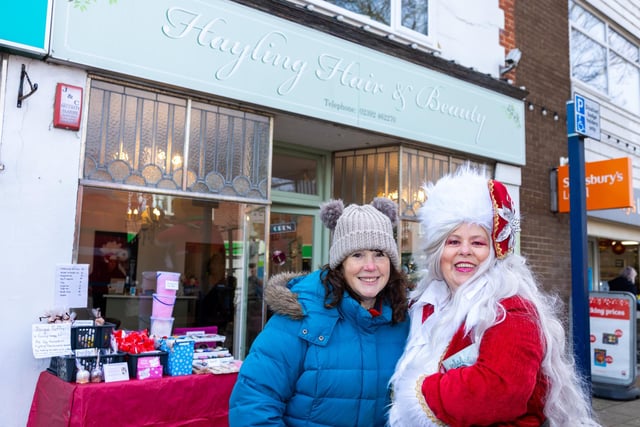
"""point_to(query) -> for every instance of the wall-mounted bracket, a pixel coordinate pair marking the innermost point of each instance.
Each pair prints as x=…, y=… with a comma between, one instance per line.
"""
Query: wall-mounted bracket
x=32, y=86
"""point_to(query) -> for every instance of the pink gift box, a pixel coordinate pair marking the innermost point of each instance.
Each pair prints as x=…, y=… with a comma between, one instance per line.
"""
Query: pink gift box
x=149, y=367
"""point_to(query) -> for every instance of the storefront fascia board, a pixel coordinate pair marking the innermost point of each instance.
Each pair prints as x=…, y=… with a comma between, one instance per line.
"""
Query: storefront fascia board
x=25, y=26
x=627, y=216
x=240, y=53
x=610, y=230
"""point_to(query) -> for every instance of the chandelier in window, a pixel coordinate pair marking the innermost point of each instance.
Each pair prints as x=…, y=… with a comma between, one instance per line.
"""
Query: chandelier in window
x=144, y=213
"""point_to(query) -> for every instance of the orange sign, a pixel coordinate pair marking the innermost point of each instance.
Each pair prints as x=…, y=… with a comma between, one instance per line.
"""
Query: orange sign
x=609, y=185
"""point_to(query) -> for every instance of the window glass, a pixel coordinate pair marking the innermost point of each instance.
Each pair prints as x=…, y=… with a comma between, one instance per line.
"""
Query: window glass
x=378, y=10
x=150, y=202
x=588, y=23
x=216, y=247
x=625, y=83
x=409, y=14
x=603, y=58
x=294, y=174
x=623, y=46
x=415, y=15
x=588, y=61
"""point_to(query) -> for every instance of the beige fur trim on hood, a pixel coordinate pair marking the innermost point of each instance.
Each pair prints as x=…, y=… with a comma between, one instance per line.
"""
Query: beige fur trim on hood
x=279, y=297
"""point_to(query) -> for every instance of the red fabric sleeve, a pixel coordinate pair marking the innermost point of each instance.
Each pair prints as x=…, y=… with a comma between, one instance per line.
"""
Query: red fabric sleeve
x=500, y=385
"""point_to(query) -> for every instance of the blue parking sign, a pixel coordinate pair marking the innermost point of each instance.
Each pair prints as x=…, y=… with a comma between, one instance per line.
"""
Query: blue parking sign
x=586, y=117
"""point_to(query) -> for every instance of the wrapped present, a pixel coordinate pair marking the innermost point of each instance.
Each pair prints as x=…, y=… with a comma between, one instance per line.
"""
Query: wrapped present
x=180, y=355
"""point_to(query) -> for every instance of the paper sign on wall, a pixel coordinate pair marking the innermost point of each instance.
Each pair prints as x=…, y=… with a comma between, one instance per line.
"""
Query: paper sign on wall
x=71, y=285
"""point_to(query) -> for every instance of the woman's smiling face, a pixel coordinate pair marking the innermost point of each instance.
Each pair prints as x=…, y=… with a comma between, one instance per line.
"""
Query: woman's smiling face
x=367, y=273
x=465, y=249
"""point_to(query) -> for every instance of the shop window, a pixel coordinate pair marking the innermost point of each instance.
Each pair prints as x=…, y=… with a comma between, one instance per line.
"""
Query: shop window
x=604, y=58
x=399, y=173
x=126, y=237
x=174, y=184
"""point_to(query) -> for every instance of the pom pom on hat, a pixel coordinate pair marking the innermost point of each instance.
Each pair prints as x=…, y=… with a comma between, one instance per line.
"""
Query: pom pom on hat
x=387, y=207
x=467, y=196
x=358, y=228
x=330, y=212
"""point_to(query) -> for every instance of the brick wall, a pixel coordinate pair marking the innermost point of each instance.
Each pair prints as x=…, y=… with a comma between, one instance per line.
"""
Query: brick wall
x=541, y=33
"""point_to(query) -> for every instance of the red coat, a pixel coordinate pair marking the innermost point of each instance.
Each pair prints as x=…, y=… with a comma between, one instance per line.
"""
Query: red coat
x=505, y=386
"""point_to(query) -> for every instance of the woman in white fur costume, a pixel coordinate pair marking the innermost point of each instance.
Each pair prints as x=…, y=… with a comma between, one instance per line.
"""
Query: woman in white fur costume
x=487, y=346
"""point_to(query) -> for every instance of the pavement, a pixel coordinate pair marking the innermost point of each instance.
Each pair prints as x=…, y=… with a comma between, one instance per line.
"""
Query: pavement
x=617, y=413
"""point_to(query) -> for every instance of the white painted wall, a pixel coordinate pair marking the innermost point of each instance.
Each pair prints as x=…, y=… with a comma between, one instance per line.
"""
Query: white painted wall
x=38, y=192
x=468, y=32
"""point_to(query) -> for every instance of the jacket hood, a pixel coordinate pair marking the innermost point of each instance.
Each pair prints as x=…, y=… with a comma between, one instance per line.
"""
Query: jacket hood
x=279, y=296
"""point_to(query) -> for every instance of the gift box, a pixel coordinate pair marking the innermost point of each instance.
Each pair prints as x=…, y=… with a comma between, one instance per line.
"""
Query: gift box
x=152, y=364
x=180, y=355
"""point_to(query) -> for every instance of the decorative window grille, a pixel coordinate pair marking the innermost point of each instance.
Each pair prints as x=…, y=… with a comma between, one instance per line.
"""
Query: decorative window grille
x=397, y=172
x=138, y=137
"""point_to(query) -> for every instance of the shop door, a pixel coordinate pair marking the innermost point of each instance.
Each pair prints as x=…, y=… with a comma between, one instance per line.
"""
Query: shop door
x=294, y=239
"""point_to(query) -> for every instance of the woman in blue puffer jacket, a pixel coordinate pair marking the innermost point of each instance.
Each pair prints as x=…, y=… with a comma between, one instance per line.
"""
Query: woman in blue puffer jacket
x=326, y=355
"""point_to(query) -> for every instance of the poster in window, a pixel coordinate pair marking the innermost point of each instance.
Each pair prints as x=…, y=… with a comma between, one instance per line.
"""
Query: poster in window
x=114, y=255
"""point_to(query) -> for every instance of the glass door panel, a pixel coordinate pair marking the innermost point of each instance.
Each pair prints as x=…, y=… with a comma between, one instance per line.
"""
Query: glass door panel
x=291, y=238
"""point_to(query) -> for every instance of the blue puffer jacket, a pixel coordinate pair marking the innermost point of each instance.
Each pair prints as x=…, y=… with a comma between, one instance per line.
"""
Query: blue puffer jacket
x=313, y=366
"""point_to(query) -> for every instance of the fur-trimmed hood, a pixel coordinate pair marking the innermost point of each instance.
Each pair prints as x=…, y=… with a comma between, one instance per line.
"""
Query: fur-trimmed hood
x=280, y=299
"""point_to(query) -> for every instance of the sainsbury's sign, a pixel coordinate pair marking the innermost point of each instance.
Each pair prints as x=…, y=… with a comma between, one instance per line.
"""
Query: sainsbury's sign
x=609, y=185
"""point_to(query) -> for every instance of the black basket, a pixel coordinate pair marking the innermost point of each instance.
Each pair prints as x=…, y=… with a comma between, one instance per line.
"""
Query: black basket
x=91, y=336
x=65, y=366
x=132, y=361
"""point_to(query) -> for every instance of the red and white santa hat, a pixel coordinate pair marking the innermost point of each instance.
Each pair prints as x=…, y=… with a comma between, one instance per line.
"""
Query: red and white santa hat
x=467, y=196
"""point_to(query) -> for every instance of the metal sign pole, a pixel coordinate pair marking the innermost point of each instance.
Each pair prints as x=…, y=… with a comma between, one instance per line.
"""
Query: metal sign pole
x=578, y=219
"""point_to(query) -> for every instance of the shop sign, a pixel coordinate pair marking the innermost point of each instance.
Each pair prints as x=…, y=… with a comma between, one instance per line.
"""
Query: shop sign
x=612, y=325
x=629, y=216
x=609, y=185
x=285, y=227
x=240, y=53
x=24, y=25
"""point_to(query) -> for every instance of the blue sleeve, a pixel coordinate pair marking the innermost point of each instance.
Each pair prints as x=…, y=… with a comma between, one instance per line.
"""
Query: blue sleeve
x=268, y=376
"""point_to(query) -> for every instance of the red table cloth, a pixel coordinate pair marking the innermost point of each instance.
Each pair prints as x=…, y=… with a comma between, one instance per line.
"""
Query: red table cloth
x=189, y=400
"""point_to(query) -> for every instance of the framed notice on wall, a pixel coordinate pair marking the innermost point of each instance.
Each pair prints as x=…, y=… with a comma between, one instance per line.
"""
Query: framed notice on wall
x=68, y=107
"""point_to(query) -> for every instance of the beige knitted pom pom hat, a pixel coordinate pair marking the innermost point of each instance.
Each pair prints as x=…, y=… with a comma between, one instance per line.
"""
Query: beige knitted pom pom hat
x=357, y=228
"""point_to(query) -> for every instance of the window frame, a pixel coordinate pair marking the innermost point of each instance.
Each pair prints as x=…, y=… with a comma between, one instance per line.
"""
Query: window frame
x=610, y=49
x=393, y=30
x=323, y=174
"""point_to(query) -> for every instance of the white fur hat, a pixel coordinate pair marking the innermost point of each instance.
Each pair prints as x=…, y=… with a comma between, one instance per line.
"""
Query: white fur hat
x=467, y=196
